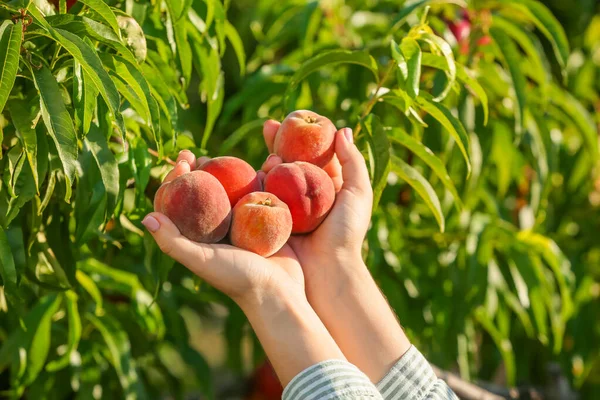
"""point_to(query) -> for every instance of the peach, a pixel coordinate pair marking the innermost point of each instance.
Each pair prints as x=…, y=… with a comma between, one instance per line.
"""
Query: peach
x=306, y=189
x=260, y=223
x=197, y=204
x=236, y=175
x=305, y=136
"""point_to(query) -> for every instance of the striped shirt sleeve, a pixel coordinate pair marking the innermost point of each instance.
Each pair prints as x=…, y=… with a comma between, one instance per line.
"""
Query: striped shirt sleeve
x=331, y=379
x=412, y=378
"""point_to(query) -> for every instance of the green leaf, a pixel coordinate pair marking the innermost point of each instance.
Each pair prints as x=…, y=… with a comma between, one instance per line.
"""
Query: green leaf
x=107, y=165
x=238, y=46
x=7, y=264
x=74, y=333
x=201, y=369
x=421, y=186
x=105, y=12
x=90, y=62
x=329, y=58
x=437, y=43
x=239, y=134
x=143, y=101
x=379, y=155
x=58, y=122
x=84, y=98
x=502, y=154
x=464, y=75
x=524, y=40
x=561, y=268
x=212, y=85
x=450, y=123
x=510, y=54
x=424, y=153
x=23, y=118
x=10, y=48
x=547, y=23
x=400, y=61
x=89, y=286
x=502, y=343
x=578, y=114
x=119, y=347
x=35, y=339
x=412, y=54
x=182, y=43
x=91, y=194
x=161, y=93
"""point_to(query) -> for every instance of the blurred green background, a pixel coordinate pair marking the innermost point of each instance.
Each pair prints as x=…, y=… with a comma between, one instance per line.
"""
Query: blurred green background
x=479, y=121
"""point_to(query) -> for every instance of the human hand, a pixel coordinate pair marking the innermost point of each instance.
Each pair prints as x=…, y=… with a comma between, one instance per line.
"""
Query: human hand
x=338, y=240
x=238, y=273
x=339, y=286
x=270, y=290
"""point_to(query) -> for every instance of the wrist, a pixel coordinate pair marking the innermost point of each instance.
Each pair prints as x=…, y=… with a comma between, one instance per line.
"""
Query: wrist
x=292, y=335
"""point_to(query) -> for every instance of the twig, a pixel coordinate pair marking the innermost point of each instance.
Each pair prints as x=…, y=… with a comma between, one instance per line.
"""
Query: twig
x=374, y=97
x=155, y=154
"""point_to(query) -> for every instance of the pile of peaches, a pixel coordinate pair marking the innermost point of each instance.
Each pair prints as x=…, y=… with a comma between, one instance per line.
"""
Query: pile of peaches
x=225, y=195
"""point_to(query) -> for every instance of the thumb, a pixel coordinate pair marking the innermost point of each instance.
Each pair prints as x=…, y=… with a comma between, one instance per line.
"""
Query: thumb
x=195, y=256
x=354, y=169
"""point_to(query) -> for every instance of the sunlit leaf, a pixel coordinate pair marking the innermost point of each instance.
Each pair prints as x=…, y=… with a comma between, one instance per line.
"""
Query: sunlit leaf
x=329, y=58
x=379, y=155
x=412, y=177
x=424, y=153
x=10, y=47
x=58, y=122
x=511, y=57
x=450, y=123
x=463, y=75
x=74, y=336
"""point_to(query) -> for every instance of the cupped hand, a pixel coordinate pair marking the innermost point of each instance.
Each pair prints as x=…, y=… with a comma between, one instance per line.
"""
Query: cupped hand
x=337, y=242
x=242, y=275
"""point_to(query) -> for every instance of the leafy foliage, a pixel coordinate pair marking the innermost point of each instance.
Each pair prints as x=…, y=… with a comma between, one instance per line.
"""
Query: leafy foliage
x=483, y=152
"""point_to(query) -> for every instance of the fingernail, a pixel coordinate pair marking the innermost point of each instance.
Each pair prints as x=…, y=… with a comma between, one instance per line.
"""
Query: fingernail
x=151, y=223
x=349, y=135
x=184, y=151
x=271, y=157
x=182, y=161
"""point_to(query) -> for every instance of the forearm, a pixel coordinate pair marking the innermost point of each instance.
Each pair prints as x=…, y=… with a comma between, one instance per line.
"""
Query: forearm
x=291, y=333
x=360, y=320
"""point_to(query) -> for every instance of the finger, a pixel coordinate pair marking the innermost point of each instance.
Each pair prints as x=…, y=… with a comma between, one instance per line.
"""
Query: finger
x=269, y=131
x=187, y=156
x=271, y=162
x=261, y=178
x=201, y=160
x=182, y=167
x=354, y=169
x=172, y=242
x=334, y=170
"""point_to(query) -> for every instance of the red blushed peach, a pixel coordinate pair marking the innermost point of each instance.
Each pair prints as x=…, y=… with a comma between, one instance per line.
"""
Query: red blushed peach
x=197, y=204
x=260, y=223
x=236, y=175
x=306, y=189
x=305, y=136
x=158, y=196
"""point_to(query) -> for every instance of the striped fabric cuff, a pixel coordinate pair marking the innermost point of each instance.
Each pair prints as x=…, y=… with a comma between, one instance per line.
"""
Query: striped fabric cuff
x=331, y=379
x=412, y=378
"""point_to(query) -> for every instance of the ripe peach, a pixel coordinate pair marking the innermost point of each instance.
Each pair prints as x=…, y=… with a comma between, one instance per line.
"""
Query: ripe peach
x=306, y=189
x=197, y=204
x=236, y=175
x=305, y=136
x=260, y=223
